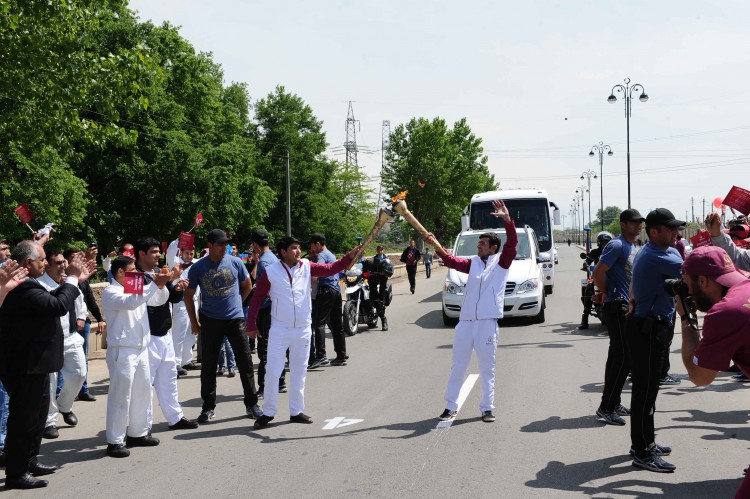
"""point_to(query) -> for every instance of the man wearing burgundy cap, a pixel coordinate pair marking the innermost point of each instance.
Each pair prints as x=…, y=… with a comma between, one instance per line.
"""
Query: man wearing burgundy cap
x=723, y=293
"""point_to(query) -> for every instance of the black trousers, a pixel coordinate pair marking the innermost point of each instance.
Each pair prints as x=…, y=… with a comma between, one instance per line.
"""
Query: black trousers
x=618, y=356
x=665, y=365
x=411, y=272
x=648, y=343
x=378, y=290
x=213, y=332
x=27, y=415
x=264, y=327
x=328, y=311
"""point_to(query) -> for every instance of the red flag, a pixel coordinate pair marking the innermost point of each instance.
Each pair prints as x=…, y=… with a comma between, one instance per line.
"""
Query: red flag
x=199, y=219
x=24, y=213
x=134, y=283
x=186, y=240
x=129, y=253
x=739, y=199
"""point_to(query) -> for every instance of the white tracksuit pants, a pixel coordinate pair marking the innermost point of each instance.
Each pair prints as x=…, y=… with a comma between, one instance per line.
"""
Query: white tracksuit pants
x=480, y=336
x=74, y=373
x=297, y=340
x=182, y=335
x=163, y=369
x=129, y=398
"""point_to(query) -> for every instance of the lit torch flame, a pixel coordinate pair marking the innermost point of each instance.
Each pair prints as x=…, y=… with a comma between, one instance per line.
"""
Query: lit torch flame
x=399, y=197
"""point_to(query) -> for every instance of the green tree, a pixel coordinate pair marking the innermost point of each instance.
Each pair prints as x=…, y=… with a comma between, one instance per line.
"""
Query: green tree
x=611, y=214
x=441, y=167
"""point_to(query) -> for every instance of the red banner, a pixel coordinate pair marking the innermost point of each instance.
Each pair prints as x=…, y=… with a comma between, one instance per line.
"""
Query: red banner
x=739, y=199
x=24, y=213
x=164, y=246
x=186, y=241
x=134, y=283
x=701, y=239
x=129, y=253
x=199, y=219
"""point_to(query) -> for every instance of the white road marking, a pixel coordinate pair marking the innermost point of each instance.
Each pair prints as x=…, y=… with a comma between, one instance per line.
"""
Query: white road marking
x=339, y=422
x=462, y=396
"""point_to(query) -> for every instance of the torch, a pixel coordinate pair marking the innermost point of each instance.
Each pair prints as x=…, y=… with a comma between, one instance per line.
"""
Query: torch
x=399, y=206
x=384, y=216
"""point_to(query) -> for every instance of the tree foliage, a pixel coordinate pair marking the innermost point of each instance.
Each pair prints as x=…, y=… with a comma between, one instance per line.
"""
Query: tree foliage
x=441, y=167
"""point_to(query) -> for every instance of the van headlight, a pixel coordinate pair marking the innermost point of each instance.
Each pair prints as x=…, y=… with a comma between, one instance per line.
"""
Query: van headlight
x=528, y=286
x=453, y=288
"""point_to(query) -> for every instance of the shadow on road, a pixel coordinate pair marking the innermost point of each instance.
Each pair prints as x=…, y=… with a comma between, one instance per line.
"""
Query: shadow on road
x=437, y=297
x=63, y=451
x=576, y=477
x=432, y=320
x=557, y=423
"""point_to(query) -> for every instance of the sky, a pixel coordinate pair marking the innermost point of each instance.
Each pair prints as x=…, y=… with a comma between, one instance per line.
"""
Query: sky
x=531, y=78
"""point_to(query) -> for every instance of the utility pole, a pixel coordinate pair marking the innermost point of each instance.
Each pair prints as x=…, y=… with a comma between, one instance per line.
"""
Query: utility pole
x=704, y=208
x=385, y=141
x=692, y=208
x=288, y=199
x=351, y=139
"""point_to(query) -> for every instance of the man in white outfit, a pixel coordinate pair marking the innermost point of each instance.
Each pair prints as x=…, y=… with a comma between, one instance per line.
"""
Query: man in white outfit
x=288, y=282
x=182, y=335
x=74, y=358
x=129, y=398
x=484, y=296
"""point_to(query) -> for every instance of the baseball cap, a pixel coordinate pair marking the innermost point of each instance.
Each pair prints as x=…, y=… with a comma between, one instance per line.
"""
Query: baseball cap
x=631, y=215
x=217, y=236
x=259, y=236
x=317, y=237
x=714, y=263
x=662, y=216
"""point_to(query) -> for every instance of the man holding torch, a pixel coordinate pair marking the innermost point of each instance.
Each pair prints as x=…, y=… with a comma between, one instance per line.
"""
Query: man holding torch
x=484, y=295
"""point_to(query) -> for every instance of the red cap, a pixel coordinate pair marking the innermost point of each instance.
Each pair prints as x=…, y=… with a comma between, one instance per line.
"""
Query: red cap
x=714, y=263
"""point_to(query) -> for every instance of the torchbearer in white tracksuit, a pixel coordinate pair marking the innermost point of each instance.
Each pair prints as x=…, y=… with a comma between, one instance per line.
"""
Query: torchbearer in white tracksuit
x=128, y=336
x=288, y=282
x=483, y=305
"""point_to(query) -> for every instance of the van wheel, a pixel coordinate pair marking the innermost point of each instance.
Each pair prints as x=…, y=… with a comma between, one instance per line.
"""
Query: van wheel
x=449, y=321
x=539, y=318
x=548, y=289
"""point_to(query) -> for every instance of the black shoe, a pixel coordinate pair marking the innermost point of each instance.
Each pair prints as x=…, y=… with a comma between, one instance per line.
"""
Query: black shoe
x=262, y=421
x=339, y=361
x=25, y=481
x=220, y=371
x=69, y=418
x=488, y=417
x=653, y=462
x=86, y=397
x=660, y=450
x=181, y=371
x=231, y=373
x=412, y=290
x=610, y=417
x=669, y=380
x=117, y=450
x=184, y=424
x=314, y=364
x=38, y=469
x=621, y=410
x=583, y=326
x=301, y=418
x=205, y=416
x=448, y=415
x=283, y=389
x=254, y=412
x=385, y=324
x=51, y=432
x=144, y=441
x=192, y=366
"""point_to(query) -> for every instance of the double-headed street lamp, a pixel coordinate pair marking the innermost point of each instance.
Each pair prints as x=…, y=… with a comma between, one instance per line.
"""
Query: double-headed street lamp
x=601, y=149
x=628, y=90
x=588, y=174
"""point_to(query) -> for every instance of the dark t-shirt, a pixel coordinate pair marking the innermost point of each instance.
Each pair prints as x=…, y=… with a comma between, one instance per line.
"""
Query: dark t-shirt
x=651, y=268
x=220, y=286
x=618, y=257
x=726, y=332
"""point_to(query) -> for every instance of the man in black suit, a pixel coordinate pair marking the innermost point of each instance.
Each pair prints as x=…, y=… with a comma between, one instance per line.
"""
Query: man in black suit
x=31, y=347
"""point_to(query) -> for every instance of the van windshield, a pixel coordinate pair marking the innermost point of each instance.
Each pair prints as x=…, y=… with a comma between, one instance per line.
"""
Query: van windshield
x=466, y=246
x=531, y=212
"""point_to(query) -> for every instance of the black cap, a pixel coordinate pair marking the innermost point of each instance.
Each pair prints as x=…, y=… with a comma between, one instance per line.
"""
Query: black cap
x=217, y=236
x=259, y=236
x=317, y=237
x=631, y=215
x=662, y=216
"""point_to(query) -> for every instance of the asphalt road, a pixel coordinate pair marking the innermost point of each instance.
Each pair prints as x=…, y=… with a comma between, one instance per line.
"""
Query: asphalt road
x=376, y=431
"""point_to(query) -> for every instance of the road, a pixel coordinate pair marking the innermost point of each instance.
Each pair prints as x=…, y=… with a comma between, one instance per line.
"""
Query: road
x=376, y=431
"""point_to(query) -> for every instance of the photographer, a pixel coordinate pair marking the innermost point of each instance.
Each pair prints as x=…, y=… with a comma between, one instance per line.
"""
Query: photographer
x=716, y=287
x=612, y=275
x=649, y=327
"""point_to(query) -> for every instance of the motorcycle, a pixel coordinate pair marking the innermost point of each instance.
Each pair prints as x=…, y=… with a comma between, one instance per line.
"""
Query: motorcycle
x=358, y=308
x=589, y=289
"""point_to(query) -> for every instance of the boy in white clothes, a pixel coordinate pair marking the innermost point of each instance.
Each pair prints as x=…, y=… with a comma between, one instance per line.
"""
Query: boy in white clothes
x=128, y=335
x=484, y=295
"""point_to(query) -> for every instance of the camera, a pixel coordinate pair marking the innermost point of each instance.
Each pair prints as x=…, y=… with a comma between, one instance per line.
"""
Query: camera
x=676, y=287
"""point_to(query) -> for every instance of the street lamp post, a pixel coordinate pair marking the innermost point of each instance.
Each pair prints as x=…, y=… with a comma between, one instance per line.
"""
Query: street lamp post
x=588, y=174
x=627, y=91
x=601, y=149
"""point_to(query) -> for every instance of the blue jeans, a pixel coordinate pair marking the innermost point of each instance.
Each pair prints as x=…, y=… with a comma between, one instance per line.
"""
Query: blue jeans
x=3, y=415
x=226, y=355
x=86, y=332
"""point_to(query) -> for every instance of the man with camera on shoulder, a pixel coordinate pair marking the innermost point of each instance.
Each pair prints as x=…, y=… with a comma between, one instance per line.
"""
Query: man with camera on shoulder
x=716, y=287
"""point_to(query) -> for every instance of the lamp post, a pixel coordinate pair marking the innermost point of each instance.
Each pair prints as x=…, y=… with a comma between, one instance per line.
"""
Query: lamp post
x=588, y=174
x=578, y=200
x=601, y=149
x=627, y=91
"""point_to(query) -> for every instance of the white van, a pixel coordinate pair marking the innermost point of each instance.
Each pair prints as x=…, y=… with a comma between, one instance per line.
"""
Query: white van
x=524, y=292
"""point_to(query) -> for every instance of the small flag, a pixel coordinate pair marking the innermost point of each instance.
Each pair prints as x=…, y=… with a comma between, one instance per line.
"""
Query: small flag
x=186, y=240
x=24, y=213
x=199, y=219
x=134, y=283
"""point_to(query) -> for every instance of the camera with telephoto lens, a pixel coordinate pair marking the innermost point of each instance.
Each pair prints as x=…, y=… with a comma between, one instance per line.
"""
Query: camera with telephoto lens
x=676, y=287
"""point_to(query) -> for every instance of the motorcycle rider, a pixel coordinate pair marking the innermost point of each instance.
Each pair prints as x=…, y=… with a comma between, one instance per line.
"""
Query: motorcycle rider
x=383, y=269
x=602, y=239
